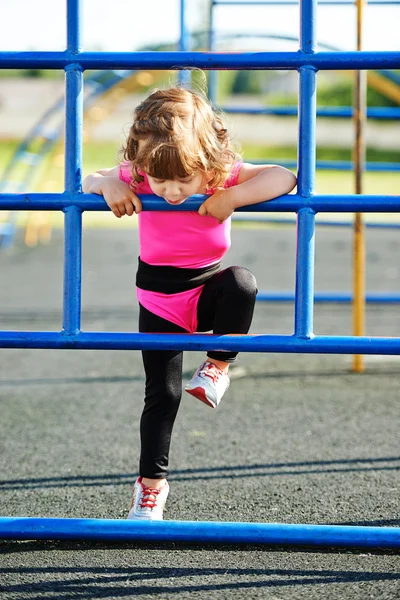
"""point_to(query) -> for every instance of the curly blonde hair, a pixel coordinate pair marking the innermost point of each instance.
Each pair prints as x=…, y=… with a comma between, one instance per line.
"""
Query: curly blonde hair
x=182, y=134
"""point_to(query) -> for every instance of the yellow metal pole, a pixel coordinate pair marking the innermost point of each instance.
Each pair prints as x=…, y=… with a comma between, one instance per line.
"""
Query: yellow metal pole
x=358, y=227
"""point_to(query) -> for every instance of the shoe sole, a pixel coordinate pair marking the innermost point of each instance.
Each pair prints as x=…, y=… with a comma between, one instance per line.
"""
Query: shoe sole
x=137, y=518
x=199, y=393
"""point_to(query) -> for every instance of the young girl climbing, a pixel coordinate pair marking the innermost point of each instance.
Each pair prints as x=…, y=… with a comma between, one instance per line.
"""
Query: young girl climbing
x=177, y=147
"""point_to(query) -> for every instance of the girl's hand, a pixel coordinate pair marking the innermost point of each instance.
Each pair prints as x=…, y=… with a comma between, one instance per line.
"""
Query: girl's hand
x=119, y=197
x=220, y=205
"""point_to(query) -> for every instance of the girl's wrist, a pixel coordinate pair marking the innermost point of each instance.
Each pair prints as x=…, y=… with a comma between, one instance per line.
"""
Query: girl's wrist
x=93, y=184
x=233, y=196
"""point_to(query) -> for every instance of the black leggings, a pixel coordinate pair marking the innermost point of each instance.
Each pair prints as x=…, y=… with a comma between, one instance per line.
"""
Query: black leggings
x=226, y=305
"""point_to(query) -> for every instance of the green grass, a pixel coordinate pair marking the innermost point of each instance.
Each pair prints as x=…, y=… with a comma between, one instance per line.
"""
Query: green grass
x=105, y=154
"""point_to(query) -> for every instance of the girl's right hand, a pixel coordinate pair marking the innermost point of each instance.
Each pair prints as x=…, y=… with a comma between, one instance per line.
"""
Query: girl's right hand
x=119, y=197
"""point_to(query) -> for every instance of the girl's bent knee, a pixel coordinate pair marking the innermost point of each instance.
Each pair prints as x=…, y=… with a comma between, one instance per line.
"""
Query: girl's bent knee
x=242, y=280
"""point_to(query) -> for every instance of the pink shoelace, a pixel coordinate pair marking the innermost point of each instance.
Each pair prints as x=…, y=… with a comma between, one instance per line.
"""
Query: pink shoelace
x=147, y=501
x=212, y=371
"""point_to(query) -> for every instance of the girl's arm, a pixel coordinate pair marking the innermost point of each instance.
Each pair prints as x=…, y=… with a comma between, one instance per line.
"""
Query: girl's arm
x=256, y=183
x=118, y=195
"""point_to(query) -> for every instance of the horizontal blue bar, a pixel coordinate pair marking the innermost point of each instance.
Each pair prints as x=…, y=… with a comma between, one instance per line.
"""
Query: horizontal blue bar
x=252, y=218
x=332, y=165
x=341, y=536
x=342, y=165
x=321, y=297
x=202, y=60
x=94, y=340
x=287, y=203
x=373, y=112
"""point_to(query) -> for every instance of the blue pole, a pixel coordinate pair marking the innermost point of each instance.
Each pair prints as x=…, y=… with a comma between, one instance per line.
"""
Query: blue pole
x=245, y=218
x=73, y=132
x=74, y=26
x=329, y=297
x=103, y=340
x=288, y=203
x=340, y=112
x=304, y=294
x=184, y=75
x=341, y=536
x=338, y=61
x=212, y=75
x=72, y=270
x=73, y=175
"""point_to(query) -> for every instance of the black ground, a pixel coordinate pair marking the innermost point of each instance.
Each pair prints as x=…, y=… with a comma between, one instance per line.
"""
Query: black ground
x=297, y=439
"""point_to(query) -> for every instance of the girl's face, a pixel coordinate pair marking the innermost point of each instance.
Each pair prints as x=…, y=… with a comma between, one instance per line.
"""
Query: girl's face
x=175, y=191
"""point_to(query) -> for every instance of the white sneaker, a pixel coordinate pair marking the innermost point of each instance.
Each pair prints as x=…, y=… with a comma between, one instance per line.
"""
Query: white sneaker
x=148, y=503
x=208, y=384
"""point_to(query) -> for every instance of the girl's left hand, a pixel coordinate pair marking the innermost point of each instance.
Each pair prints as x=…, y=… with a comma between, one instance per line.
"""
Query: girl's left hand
x=220, y=205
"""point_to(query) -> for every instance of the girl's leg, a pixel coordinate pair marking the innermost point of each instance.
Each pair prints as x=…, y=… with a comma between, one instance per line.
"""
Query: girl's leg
x=226, y=305
x=163, y=393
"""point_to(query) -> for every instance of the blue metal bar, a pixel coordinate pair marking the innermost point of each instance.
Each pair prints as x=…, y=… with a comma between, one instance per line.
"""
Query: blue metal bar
x=251, y=218
x=202, y=60
x=184, y=43
x=198, y=342
x=73, y=131
x=73, y=185
x=329, y=297
x=74, y=26
x=308, y=35
x=304, y=294
x=343, y=536
x=287, y=203
x=333, y=165
x=307, y=124
x=212, y=75
x=72, y=270
x=373, y=112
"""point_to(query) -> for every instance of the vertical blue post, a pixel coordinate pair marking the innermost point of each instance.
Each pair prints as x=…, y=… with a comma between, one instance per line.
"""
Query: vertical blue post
x=212, y=75
x=74, y=26
x=73, y=174
x=184, y=45
x=304, y=298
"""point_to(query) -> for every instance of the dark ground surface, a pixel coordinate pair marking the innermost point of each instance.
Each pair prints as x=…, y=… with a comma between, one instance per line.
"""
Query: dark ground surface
x=297, y=439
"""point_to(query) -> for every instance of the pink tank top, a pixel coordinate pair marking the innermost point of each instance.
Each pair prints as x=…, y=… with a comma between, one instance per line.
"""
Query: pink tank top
x=183, y=239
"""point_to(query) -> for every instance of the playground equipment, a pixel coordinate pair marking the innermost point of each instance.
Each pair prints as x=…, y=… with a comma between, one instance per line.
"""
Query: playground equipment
x=385, y=81
x=72, y=202
x=41, y=149
x=109, y=87
x=382, y=80
x=40, y=145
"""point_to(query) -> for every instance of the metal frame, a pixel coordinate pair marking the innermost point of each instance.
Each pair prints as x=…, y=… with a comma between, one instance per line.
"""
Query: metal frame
x=357, y=165
x=286, y=111
x=72, y=202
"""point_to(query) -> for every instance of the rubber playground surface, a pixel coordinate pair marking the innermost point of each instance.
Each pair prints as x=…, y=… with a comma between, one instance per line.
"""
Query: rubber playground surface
x=297, y=439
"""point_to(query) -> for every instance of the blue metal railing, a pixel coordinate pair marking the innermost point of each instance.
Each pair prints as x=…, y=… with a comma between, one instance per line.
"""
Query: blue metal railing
x=285, y=61
x=384, y=112
x=340, y=536
x=305, y=203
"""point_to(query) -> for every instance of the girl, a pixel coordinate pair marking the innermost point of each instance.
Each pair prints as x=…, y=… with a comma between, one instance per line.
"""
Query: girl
x=177, y=147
